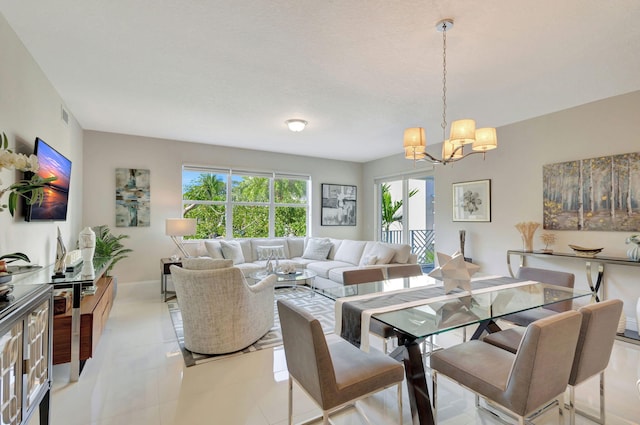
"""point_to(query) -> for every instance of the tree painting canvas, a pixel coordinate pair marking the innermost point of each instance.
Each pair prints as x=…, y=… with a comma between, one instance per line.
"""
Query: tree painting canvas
x=133, y=197
x=593, y=194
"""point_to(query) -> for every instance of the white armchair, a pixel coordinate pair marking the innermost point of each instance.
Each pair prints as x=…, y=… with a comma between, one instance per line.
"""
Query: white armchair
x=221, y=312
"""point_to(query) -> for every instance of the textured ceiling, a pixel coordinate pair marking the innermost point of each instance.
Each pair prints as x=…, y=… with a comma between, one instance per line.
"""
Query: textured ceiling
x=231, y=72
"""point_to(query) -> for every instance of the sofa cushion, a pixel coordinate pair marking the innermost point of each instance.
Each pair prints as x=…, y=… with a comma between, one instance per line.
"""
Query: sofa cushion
x=402, y=252
x=377, y=253
x=255, y=243
x=214, y=249
x=232, y=250
x=322, y=268
x=296, y=247
x=317, y=249
x=350, y=251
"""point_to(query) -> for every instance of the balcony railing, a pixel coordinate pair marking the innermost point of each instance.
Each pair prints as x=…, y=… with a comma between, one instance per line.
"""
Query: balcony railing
x=421, y=241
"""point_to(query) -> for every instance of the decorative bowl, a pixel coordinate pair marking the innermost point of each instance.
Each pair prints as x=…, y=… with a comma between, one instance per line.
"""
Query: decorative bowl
x=585, y=252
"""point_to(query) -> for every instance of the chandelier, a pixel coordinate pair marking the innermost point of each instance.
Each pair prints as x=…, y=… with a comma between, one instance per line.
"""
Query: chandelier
x=463, y=132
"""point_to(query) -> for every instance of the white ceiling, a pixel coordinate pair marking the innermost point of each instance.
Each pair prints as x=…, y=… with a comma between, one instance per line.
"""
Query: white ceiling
x=230, y=72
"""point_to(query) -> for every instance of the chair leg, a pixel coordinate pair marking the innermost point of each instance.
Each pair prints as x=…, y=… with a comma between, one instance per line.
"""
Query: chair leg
x=602, y=421
x=384, y=345
x=572, y=405
x=434, y=392
x=400, y=403
x=561, y=410
x=477, y=400
x=290, y=400
x=325, y=417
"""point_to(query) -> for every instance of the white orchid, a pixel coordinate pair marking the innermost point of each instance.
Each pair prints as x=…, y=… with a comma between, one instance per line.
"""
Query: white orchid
x=633, y=239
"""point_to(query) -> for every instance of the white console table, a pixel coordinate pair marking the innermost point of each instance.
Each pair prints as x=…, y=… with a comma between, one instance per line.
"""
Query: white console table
x=592, y=264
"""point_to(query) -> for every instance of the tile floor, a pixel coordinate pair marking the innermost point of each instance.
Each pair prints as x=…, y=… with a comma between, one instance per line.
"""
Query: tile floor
x=138, y=377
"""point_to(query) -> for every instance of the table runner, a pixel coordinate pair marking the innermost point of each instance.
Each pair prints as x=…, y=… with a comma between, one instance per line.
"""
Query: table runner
x=353, y=314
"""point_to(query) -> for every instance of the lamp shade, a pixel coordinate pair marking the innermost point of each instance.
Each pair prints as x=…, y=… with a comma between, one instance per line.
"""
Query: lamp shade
x=448, y=148
x=463, y=132
x=486, y=139
x=180, y=226
x=414, y=137
x=416, y=152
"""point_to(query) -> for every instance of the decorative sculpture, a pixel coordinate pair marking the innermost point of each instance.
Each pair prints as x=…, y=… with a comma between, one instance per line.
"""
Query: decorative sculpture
x=87, y=242
x=454, y=272
x=61, y=255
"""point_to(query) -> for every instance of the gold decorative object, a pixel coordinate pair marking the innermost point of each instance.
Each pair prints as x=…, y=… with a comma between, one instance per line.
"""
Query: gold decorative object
x=527, y=229
x=547, y=239
x=581, y=251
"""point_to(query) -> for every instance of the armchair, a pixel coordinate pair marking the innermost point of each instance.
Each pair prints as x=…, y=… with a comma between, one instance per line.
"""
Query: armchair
x=221, y=312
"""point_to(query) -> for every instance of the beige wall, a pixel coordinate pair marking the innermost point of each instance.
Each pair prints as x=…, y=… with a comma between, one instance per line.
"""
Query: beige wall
x=30, y=107
x=601, y=128
x=104, y=152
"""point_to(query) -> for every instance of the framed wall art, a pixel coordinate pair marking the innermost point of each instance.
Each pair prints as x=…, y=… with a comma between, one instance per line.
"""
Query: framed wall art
x=133, y=197
x=338, y=205
x=472, y=201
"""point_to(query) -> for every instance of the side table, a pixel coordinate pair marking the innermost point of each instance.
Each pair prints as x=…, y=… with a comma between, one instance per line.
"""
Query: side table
x=165, y=263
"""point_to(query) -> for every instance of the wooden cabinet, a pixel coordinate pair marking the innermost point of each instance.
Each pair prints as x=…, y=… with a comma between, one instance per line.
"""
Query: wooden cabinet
x=94, y=312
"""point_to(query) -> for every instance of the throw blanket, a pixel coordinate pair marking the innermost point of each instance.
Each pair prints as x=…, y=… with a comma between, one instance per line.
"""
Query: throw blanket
x=353, y=314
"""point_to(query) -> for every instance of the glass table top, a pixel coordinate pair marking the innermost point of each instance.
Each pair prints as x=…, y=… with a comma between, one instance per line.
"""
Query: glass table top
x=300, y=274
x=456, y=310
x=389, y=285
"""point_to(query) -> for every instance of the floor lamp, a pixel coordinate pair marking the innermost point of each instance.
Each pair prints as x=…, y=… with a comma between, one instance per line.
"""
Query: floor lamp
x=178, y=227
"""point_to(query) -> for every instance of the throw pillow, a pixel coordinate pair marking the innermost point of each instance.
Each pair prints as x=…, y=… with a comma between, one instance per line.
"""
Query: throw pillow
x=213, y=249
x=274, y=251
x=369, y=260
x=231, y=250
x=317, y=249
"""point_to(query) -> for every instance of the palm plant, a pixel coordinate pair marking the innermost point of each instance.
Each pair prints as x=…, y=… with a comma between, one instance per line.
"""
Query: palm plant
x=108, y=245
x=390, y=208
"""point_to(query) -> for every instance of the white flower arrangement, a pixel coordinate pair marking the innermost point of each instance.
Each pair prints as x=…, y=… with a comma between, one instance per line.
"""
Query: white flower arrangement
x=32, y=189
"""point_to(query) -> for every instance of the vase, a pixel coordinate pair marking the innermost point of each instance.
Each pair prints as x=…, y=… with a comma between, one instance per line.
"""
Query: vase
x=634, y=253
x=87, y=242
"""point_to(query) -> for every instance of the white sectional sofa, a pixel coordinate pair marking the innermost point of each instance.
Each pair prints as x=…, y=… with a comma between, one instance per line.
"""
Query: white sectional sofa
x=327, y=257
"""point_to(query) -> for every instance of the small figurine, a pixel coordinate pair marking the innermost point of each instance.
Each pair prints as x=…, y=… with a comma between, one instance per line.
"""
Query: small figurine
x=61, y=255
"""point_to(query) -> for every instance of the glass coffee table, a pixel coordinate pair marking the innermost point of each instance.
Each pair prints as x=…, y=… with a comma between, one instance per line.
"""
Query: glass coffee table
x=301, y=276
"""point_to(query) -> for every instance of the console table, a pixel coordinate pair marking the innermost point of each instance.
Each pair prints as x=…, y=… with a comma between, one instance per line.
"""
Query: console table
x=25, y=349
x=592, y=264
x=74, y=281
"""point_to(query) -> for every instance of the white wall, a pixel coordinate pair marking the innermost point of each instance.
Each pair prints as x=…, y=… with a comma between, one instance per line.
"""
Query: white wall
x=30, y=107
x=601, y=128
x=104, y=152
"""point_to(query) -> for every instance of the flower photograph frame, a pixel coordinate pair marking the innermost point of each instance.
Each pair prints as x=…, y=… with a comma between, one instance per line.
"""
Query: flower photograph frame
x=472, y=201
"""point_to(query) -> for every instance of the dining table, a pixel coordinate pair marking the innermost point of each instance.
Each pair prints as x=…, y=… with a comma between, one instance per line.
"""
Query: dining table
x=417, y=308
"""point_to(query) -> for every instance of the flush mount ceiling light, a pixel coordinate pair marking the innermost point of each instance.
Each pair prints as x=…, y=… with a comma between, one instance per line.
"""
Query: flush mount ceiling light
x=296, y=125
x=463, y=131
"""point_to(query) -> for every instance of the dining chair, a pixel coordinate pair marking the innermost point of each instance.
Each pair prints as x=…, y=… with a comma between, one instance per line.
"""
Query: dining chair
x=353, y=277
x=376, y=327
x=595, y=343
x=406, y=270
x=523, y=382
x=552, y=277
x=337, y=374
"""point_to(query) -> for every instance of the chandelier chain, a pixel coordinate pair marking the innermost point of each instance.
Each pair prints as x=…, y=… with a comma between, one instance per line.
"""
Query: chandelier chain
x=444, y=82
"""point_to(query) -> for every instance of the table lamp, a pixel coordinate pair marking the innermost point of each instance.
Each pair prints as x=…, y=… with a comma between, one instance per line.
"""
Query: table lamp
x=180, y=227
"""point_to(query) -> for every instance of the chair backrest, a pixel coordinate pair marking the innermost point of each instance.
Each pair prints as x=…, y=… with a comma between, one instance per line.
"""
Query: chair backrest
x=552, y=277
x=205, y=263
x=305, y=347
x=407, y=270
x=352, y=277
x=597, y=334
x=543, y=362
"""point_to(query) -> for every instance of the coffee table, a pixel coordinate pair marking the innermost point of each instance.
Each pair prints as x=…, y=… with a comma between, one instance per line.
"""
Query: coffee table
x=301, y=276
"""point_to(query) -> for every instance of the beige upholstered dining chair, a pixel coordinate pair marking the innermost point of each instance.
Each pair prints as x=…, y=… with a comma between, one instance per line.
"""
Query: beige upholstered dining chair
x=353, y=277
x=523, y=382
x=406, y=270
x=545, y=276
x=597, y=335
x=221, y=312
x=336, y=374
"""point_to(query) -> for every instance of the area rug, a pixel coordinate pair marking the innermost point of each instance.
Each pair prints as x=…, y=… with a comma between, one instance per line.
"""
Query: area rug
x=318, y=305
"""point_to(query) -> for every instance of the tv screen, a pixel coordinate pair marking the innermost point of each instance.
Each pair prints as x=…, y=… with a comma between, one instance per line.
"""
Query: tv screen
x=56, y=193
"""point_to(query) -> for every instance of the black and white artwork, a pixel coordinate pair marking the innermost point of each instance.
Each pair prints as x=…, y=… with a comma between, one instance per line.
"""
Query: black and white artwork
x=338, y=205
x=472, y=201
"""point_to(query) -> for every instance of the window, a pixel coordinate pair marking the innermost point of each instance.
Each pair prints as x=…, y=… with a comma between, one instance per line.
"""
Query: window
x=245, y=204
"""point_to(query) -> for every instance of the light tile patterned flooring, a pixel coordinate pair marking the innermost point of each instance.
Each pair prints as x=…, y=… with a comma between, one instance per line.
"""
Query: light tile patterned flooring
x=138, y=377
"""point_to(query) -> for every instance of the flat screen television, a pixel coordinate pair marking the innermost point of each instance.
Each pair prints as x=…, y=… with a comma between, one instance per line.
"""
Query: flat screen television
x=56, y=193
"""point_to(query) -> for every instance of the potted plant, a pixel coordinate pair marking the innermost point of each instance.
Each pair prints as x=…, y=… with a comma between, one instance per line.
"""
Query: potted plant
x=110, y=246
x=5, y=274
